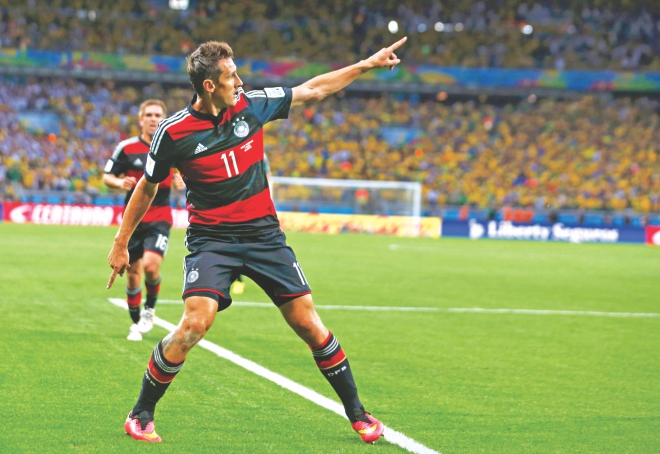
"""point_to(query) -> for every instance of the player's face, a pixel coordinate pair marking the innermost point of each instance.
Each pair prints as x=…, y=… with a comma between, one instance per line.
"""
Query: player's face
x=225, y=93
x=151, y=116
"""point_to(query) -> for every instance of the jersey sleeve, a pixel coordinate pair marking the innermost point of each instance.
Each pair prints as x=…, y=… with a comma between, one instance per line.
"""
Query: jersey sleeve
x=118, y=162
x=270, y=103
x=160, y=159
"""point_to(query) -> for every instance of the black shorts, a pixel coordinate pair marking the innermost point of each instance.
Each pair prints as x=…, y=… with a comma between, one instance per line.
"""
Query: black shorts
x=214, y=264
x=149, y=236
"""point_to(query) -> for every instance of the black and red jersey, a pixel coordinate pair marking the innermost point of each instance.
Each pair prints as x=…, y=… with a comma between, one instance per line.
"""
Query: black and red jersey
x=221, y=159
x=129, y=159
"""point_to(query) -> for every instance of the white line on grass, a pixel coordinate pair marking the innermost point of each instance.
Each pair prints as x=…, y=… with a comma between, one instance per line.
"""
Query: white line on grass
x=477, y=310
x=390, y=435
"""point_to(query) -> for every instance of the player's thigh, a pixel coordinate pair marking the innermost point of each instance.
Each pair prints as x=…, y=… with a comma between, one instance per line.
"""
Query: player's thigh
x=211, y=271
x=274, y=267
x=156, y=238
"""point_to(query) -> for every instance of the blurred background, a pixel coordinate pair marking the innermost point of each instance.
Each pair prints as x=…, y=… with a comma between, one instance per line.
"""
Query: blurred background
x=532, y=112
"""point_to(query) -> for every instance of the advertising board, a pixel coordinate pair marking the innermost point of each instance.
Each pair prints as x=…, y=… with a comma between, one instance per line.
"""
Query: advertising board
x=542, y=232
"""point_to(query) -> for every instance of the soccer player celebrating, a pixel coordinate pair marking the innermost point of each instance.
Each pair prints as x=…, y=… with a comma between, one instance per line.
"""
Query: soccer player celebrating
x=148, y=244
x=217, y=144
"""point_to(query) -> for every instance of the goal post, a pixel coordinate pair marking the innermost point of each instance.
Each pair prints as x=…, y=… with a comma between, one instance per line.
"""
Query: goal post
x=349, y=197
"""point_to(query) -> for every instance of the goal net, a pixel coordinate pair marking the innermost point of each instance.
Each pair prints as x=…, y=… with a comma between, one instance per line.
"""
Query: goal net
x=349, y=197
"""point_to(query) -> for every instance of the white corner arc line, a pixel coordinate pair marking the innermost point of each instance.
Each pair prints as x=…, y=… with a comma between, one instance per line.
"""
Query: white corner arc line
x=390, y=435
x=477, y=310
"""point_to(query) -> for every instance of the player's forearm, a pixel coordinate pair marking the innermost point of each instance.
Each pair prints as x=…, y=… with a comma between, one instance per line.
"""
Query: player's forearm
x=135, y=210
x=327, y=84
x=112, y=181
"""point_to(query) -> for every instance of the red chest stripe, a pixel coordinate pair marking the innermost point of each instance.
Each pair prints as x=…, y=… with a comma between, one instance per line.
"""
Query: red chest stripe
x=137, y=174
x=158, y=214
x=255, y=207
x=226, y=164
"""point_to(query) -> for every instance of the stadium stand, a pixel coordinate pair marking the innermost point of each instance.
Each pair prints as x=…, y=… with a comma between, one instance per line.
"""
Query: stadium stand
x=587, y=154
x=539, y=35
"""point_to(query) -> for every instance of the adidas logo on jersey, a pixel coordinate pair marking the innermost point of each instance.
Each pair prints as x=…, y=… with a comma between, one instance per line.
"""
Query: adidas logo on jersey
x=200, y=148
x=138, y=163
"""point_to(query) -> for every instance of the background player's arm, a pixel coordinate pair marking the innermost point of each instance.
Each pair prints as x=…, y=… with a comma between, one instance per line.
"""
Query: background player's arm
x=327, y=84
x=135, y=210
x=125, y=183
x=177, y=181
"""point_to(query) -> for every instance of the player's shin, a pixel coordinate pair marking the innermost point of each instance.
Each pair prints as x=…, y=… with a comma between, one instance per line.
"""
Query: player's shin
x=156, y=380
x=334, y=366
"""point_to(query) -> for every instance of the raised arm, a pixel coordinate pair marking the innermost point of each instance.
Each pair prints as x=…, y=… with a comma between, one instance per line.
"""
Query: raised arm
x=135, y=210
x=326, y=84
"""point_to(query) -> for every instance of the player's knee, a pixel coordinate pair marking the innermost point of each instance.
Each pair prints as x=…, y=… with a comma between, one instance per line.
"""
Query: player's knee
x=197, y=326
x=151, y=269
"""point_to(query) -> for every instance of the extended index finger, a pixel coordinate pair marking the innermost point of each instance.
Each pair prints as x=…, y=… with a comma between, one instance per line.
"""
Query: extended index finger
x=397, y=44
x=113, y=276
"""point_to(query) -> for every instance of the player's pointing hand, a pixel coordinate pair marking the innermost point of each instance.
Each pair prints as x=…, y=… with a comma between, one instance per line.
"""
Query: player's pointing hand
x=119, y=262
x=386, y=56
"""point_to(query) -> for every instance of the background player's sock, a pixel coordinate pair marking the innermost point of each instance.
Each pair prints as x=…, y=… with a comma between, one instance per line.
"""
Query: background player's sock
x=334, y=366
x=134, y=299
x=153, y=288
x=156, y=380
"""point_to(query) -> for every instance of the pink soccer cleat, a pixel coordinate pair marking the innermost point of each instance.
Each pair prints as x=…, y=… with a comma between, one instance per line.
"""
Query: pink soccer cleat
x=369, y=431
x=141, y=427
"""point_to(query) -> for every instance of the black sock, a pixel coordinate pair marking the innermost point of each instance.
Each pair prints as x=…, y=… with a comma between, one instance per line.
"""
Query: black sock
x=156, y=380
x=334, y=366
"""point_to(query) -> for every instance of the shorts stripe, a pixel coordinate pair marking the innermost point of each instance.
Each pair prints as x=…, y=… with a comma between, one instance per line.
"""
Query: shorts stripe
x=212, y=290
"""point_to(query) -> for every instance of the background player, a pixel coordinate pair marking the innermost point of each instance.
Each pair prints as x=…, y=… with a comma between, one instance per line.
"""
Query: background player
x=148, y=243
x=217, y=143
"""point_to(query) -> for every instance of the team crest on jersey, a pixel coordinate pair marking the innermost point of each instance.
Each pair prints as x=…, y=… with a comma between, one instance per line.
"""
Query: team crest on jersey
x=241, y=129
x=193, y=276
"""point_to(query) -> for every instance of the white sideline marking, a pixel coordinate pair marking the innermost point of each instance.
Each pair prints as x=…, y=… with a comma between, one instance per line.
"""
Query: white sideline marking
x=477, y=310
x=390, y=435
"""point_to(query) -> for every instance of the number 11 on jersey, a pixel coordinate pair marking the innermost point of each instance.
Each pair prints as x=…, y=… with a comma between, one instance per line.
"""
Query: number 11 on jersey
x=233, y=159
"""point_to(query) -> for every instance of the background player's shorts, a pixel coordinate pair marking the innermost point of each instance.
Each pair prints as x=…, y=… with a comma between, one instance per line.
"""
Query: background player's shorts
x=213, y=265
x=148, y=236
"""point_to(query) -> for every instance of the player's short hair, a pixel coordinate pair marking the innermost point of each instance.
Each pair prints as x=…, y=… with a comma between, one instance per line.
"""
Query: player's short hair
x=203, y=63
x=151, y=102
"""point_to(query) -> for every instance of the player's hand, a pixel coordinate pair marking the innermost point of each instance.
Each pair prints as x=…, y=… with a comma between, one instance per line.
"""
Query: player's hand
x=128, y=183
x=178, y=182
x=119, y=262
x=386, y=56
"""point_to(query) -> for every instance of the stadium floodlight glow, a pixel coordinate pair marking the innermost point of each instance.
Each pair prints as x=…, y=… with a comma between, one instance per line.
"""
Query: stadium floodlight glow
x=179, y=4
x=421, y=28
x=439, y=27
x=458, y=27
x=527, y=29
x=393, y=27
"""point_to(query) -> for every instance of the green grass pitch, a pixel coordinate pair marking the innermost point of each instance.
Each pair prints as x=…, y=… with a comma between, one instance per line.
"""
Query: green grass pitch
x=455, y=382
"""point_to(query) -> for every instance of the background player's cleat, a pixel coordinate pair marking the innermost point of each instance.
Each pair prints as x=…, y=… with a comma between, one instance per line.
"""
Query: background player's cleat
x=134, y=333
x=237, y=288
x=369, y=431
x=141, y=427
x=146, y=320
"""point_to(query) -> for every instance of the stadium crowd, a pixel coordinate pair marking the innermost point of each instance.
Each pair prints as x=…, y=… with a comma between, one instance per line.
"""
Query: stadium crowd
x=590, y=153
x=483, y=33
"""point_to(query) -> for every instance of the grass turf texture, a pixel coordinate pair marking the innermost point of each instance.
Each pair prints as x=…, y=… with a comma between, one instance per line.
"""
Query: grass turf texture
x=458, y=383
